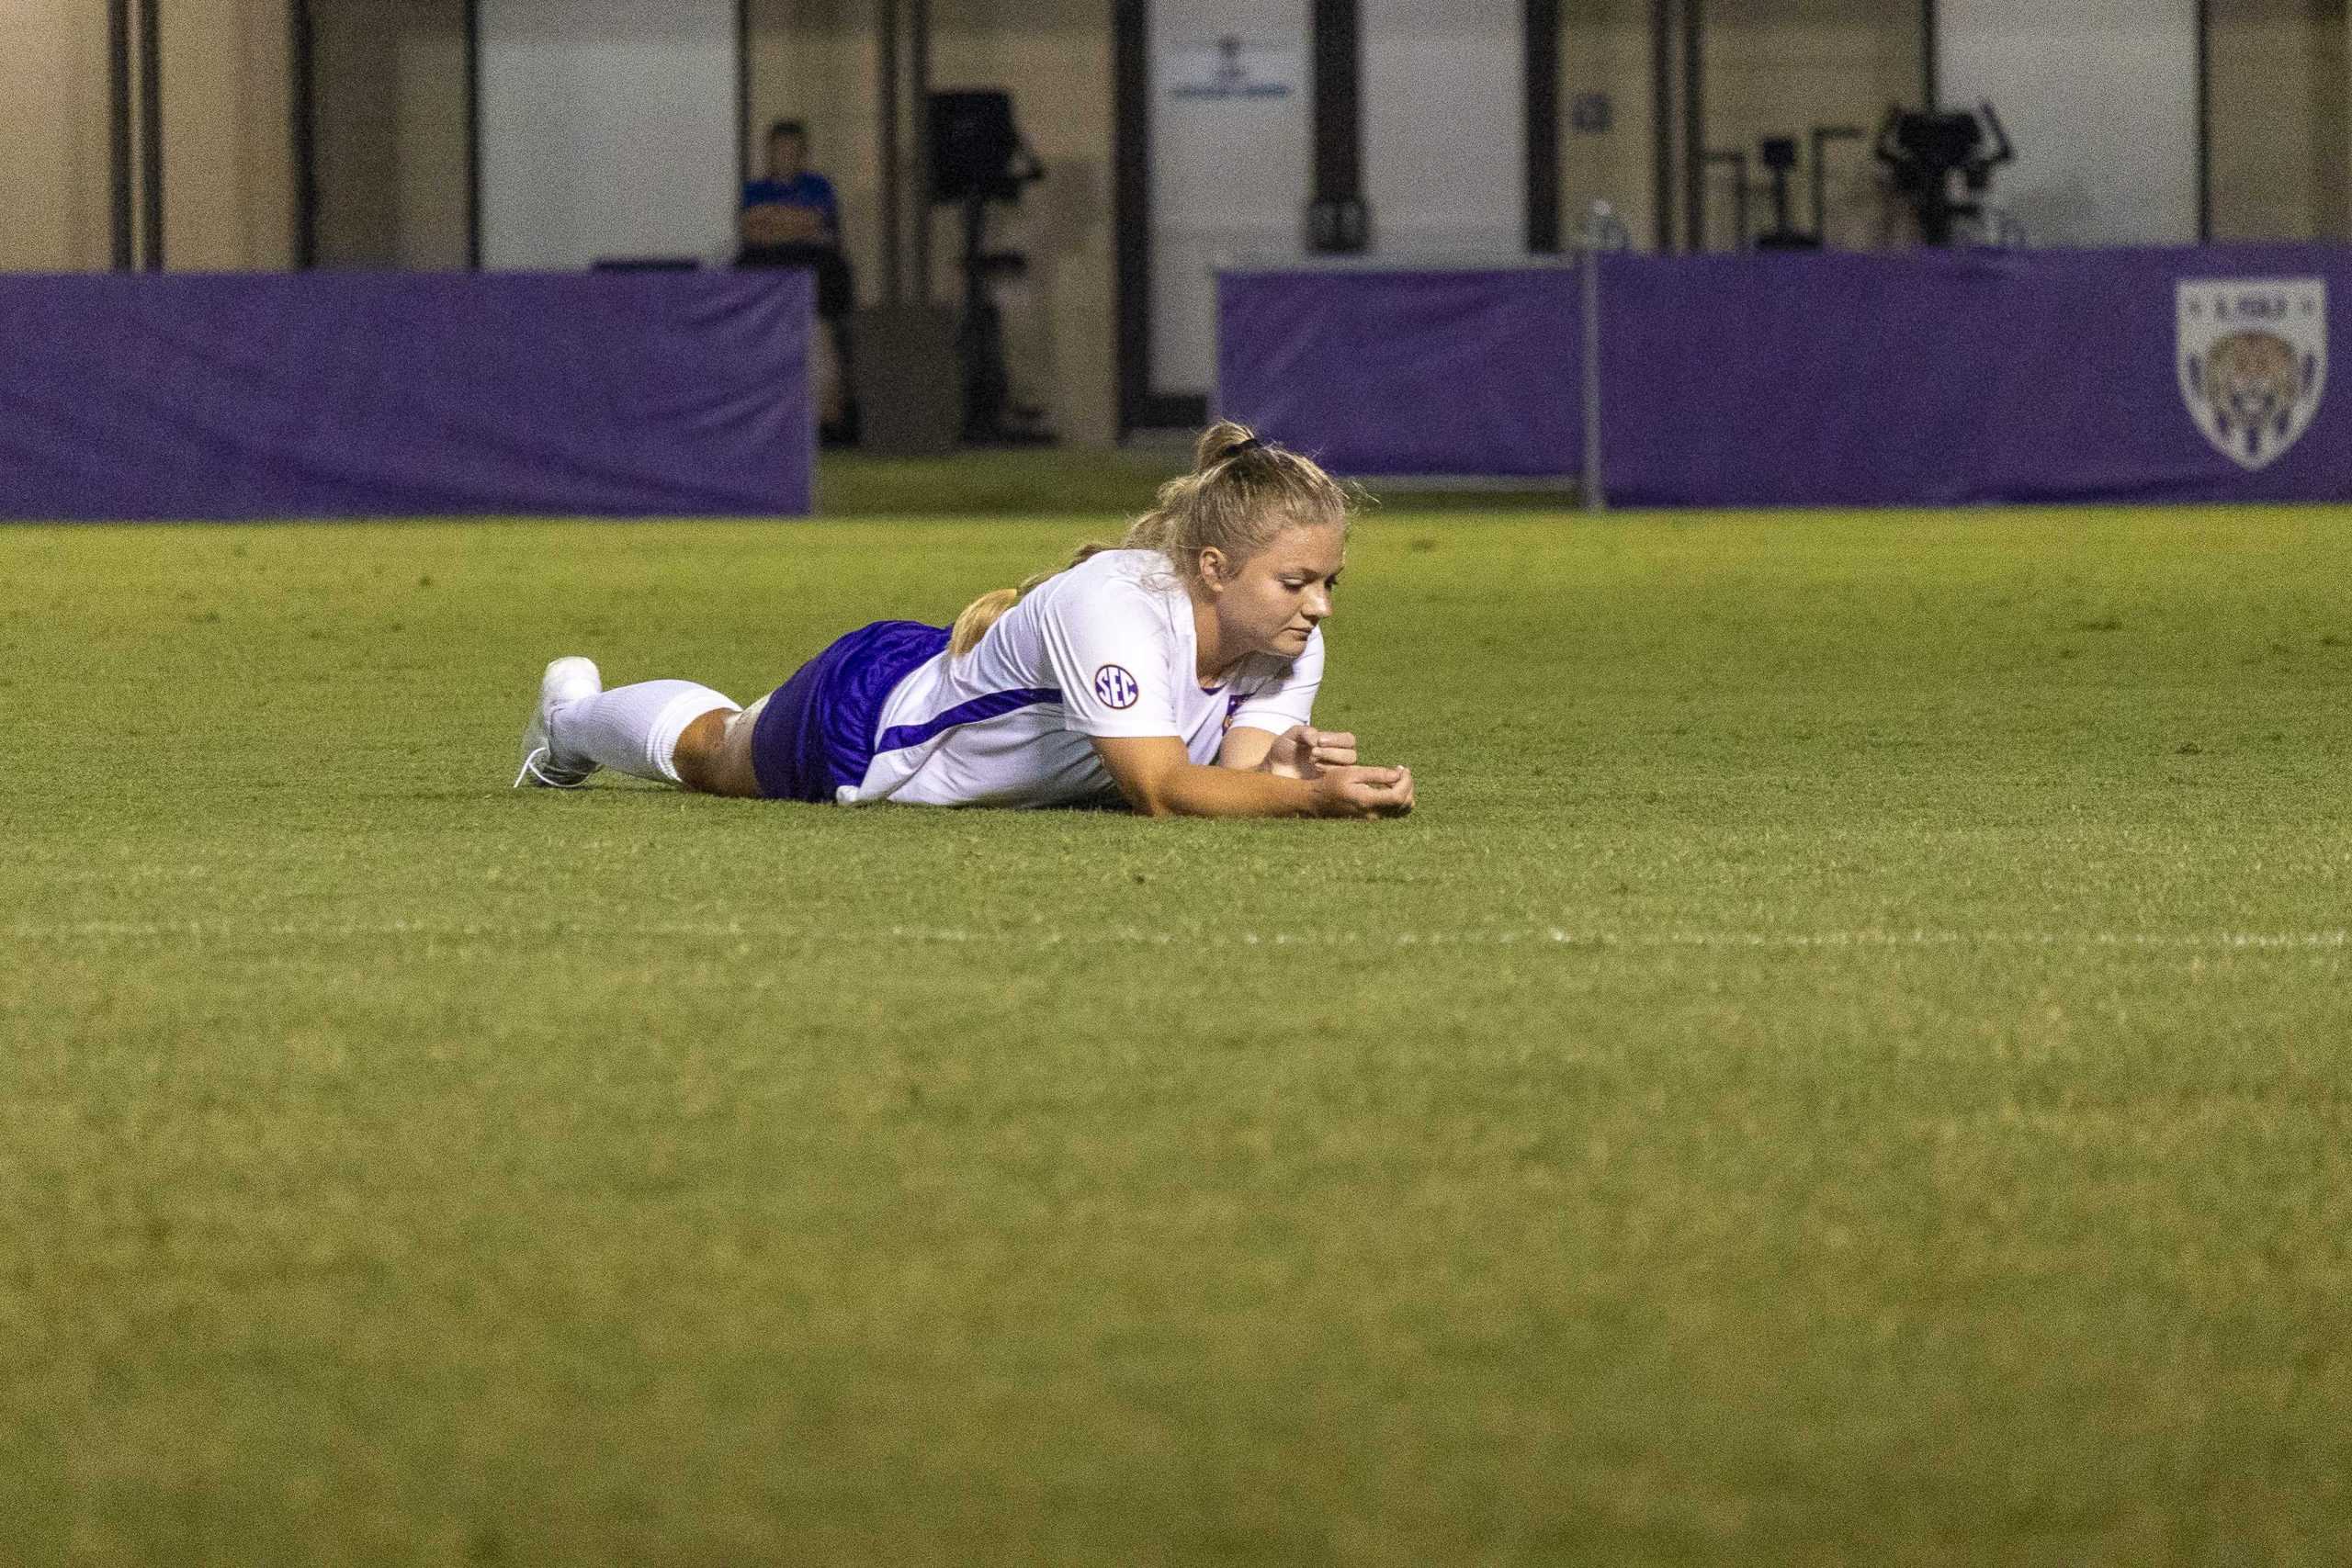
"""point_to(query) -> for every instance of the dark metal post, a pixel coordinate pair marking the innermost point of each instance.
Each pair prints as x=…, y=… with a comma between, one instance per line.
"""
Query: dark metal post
x=919, y=87
x=1662, y=122
x=303, y=44
x=151, y=129
x=473, y=134
x=1542, y=67
x=1930, y=69
x=743, y=96
x=1141, y=406
x=1131, y=205
x=2204, y=122
x=1694, y=126
x=1603, y=233
x=891, y=194
x=1337, y=219
x=118, y=131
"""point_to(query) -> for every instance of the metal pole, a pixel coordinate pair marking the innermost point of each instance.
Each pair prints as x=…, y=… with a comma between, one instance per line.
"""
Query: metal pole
x=918, y=83
x=1931, y=80
x=1694, y=126
x=1542, y=116
x=2204, y=122
x=151, y=129
x=893, y=191
x=118, y=131
x=1603, y=231
x=303, y=47
x=1662, y=123
x=473, y=135
x=1595, y=496
x=743, y=96
x=1337, y=221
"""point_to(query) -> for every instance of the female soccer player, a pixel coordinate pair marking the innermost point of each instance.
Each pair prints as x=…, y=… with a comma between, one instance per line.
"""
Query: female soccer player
x=1178, y=671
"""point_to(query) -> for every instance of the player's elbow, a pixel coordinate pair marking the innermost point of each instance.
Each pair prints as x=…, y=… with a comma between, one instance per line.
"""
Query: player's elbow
x=1150, y=772
x=1152, y=797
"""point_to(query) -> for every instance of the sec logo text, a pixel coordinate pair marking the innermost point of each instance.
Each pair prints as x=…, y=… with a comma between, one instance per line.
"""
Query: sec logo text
x=1116, y=687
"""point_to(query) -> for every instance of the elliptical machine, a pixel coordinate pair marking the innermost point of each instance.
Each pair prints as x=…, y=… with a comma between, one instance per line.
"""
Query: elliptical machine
x=1924, y=148
x=977, y=157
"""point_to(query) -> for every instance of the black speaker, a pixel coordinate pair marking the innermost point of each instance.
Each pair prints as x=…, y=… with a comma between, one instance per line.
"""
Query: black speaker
x=974, y=150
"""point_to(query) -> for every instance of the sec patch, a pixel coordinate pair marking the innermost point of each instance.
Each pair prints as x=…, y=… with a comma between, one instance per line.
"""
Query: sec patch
x=1115, y=687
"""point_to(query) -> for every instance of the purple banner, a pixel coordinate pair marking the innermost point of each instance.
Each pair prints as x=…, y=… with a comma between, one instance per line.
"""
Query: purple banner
x=1406, y=372
x=1935, y=379
x=1919, y=379
x=332, y=394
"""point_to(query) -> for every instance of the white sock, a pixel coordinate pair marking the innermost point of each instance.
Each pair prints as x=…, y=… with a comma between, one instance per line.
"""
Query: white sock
x=630, y=729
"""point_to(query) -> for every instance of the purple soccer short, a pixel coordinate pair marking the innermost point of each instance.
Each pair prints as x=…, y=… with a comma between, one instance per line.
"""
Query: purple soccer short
x=816, y=734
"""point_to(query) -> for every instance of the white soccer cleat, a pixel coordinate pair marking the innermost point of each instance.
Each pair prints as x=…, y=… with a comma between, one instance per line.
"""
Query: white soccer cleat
x=566, y=681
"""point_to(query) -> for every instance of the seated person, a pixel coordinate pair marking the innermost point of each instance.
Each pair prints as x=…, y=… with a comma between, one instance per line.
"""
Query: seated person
x=791, y=218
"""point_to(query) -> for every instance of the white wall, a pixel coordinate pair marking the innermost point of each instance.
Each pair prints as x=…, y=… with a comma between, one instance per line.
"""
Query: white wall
x=607, y=129
x=1231, y=161
x=1445, y=127
x=54, y=172
x=2100, y=98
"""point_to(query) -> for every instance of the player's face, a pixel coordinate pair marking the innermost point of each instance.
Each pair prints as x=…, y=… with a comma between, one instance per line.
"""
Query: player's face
x=787, y=156
x=1273, y=600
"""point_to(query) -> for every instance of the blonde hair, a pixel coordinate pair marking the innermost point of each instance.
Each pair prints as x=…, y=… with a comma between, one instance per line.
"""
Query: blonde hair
x=1241, y=494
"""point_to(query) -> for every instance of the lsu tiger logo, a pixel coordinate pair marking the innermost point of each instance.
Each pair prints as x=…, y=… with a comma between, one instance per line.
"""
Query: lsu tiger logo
x=2253, y=360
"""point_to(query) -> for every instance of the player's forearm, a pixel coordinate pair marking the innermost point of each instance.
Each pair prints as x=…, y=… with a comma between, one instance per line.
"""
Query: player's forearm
x=1246, y=751
x=1194, y=791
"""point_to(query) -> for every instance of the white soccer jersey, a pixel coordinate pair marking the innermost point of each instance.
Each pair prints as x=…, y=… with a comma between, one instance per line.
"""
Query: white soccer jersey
x=1105, y=649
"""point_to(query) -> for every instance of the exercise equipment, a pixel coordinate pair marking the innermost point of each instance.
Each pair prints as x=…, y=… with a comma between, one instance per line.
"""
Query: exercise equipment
x=979, y=160
x=1924, y=148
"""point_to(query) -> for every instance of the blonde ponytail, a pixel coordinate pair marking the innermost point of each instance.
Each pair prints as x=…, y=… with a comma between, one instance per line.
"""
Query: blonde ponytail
x=1242, y=491
x=1219, y=442
x=977, y=618
x=984, y=612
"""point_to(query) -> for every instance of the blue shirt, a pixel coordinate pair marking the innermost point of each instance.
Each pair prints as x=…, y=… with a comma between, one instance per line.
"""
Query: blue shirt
x=804, y=191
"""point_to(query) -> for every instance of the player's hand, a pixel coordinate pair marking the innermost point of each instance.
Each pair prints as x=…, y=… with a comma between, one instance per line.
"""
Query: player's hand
x=1303, y=753
x=1363, y=792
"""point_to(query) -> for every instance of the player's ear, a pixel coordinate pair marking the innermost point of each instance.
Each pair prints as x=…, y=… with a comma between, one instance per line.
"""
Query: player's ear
x=1214, y=569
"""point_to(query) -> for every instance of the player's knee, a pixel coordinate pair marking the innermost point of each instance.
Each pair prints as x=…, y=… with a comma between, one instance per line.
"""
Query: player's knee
x=698, y=747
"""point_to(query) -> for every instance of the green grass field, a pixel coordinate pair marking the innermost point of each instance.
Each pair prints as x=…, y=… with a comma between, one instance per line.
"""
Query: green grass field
x=1847, y=1065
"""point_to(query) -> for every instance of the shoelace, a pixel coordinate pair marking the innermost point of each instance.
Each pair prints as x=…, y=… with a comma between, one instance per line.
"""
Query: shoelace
x=531, y=769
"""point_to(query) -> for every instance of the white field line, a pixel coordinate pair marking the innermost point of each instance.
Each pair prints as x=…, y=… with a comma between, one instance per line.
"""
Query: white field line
x=1130, y=936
